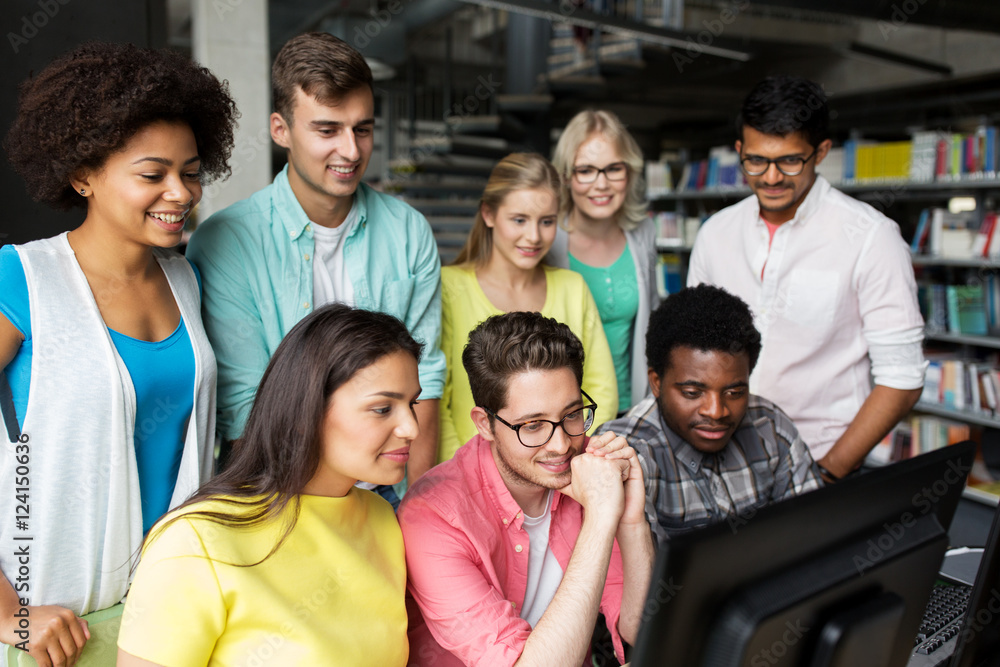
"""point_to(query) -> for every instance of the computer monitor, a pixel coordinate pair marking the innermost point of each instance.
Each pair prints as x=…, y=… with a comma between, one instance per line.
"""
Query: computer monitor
x=978, y=644
x=834, y=578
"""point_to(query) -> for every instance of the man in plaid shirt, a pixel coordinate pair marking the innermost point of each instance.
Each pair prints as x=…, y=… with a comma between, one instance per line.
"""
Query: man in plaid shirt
x=710, y=451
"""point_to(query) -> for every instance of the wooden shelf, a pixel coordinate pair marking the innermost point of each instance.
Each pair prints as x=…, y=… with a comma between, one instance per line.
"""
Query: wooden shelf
x=963, y=339
x=977, y=418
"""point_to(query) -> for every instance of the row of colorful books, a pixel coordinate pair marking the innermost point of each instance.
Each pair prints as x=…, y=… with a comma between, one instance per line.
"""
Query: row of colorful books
x=970, y=385
x=721, y=169
x=919, y=434
x=961, y=235
x=971, y=310
x=675, y=230
x=928, y=156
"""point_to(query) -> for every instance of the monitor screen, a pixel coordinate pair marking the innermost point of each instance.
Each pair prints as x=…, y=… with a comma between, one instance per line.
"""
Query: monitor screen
x=834, y=578
x=978, y=644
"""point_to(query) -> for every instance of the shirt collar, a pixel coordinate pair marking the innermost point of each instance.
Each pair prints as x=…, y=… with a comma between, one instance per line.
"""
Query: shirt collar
x=809, y=205
x=507, y=509
x=294, y=217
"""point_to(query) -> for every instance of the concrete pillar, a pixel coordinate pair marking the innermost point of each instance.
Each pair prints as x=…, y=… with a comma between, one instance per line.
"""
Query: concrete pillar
x=230, y=37
x=527, y=51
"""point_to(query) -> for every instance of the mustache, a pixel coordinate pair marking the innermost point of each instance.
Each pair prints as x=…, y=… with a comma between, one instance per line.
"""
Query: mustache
x=717, y=425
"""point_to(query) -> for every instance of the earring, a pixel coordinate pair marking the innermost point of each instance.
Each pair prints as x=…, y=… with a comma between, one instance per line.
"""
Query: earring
x=83, y=192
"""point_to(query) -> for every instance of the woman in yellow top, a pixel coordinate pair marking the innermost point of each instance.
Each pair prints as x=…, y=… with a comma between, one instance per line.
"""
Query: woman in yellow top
x=500, y=270
x=281, y=559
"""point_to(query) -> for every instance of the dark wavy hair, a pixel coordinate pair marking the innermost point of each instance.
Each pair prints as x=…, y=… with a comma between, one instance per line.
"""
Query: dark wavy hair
x=511, y=343
x=704, y=318
x=88, y=103
x=280, y=449
x=782, y=105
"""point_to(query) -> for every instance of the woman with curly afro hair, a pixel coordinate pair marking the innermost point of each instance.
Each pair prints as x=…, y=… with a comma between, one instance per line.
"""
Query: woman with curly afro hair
x=112, y=378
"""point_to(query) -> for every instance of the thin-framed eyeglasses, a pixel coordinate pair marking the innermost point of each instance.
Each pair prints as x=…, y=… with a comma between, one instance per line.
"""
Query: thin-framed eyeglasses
x=789, y=165
x=588, y=173
x=537, y=432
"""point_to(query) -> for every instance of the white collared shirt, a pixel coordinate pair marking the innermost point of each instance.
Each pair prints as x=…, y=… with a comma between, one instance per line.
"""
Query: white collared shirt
x=837, y=305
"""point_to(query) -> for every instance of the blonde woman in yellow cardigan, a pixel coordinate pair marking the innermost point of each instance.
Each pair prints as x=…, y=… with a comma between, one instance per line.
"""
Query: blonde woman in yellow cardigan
x=500, y=270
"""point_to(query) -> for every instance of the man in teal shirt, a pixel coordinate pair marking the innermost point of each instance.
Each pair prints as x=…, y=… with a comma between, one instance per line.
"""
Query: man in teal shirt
x=317, y=235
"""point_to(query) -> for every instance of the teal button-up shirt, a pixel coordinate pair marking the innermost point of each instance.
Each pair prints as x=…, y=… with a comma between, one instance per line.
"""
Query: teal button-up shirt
x=255, y=259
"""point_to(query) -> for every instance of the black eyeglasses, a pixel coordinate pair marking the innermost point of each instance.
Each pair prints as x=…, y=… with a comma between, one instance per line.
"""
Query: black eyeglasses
x=789, y=165
x=537, y=432
x=616, y=171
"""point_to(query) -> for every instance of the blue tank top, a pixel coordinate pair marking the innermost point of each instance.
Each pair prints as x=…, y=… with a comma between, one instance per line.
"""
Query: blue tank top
x=162, y=374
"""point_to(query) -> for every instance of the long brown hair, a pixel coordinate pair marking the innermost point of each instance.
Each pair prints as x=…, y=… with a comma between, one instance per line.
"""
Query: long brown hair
x=280, y=448
x=517, y=171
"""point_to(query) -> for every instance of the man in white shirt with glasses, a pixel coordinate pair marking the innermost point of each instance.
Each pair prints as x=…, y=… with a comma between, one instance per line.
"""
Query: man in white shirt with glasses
x=828, y=277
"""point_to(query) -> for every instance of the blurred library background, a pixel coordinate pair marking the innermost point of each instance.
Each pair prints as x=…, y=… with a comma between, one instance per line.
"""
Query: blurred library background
x=913, y=86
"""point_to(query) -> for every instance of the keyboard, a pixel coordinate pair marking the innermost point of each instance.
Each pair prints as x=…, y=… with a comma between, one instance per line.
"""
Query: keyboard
x=942, y=617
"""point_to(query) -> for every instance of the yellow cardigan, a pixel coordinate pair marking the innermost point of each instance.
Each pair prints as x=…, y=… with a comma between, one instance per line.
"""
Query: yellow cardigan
x=464, y=305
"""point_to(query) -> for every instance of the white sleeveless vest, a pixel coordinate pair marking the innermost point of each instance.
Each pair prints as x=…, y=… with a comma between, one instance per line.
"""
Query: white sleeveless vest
x=83, y=511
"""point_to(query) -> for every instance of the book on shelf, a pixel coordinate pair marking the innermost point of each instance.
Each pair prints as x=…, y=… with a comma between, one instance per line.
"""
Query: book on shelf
x=962, y=384
x=669, y=275
x=963, y=235
x=928, y=156
x=919, y=434
x=658, y=179
x=966, y=309
x=675, y=230
x=969, y=310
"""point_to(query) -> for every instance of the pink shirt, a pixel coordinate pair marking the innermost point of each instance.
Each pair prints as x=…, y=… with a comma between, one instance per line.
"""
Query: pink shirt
x=467, y=563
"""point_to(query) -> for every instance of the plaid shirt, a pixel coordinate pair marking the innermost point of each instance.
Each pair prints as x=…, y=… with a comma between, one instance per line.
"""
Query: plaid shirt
x=764, y=462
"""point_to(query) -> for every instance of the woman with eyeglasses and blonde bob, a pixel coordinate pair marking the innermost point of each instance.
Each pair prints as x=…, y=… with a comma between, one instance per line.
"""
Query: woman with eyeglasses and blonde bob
x=605, y=235
x=500, y=270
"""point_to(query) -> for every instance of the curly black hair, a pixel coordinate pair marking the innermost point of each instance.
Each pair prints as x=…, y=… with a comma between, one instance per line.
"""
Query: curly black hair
x=704, y=318
x=781, y=105
x=88, y=103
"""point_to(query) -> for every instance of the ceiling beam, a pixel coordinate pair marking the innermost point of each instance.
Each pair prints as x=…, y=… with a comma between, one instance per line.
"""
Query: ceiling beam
x=566, y=12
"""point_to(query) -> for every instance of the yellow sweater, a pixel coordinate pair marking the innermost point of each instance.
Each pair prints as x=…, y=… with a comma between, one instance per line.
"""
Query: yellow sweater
x=464, y=305
x=332, y=594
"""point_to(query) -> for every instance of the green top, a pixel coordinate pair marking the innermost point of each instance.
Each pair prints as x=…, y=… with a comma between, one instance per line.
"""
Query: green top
x=616, y=292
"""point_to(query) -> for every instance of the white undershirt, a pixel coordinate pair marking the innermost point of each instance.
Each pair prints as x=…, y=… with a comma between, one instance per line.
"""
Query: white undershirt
x=544, y=571
x=331, y=284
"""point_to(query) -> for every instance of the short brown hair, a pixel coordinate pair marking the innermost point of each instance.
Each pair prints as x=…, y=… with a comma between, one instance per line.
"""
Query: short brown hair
x=324, y=66
x=511, y=343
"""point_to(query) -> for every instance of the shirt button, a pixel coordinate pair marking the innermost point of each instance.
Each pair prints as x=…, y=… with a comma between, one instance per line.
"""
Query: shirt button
x=306, y=256
x=692, y=464
x=505, y=522
x=517, y=516
x=306, y=305
x=291, y=234
x=514, y=605
x=518, y=548
x=308, y=228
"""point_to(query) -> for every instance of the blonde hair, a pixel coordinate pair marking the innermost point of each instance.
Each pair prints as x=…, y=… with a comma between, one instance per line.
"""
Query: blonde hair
x=583, y=126
x=517, y=171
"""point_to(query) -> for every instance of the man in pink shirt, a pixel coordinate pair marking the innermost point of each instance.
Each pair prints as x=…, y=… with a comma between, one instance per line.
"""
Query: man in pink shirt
x=515, y=544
